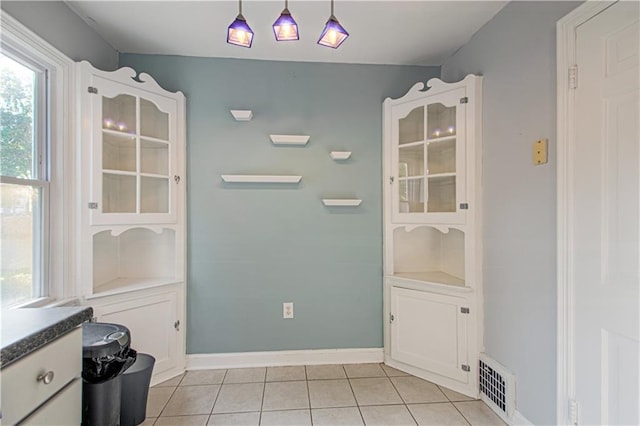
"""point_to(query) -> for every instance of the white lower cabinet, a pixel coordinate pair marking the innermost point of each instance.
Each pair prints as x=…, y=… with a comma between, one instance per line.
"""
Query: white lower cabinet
x=45, y=381
x=429, y=331
x=155, y=319
x=62, y=409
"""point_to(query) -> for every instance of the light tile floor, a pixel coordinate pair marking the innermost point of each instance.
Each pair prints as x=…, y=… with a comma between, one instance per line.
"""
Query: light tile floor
x=352, y=394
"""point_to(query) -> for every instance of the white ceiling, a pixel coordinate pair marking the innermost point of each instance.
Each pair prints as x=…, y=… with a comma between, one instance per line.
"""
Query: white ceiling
x=381, y=32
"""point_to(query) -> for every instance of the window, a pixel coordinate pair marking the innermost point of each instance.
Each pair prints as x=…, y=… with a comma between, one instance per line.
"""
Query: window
x=24, y=184
x=37, y=197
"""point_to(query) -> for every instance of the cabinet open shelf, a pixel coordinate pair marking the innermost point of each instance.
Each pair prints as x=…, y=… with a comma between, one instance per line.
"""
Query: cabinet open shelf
x=341, y=202
x=429, y=255
x=289, y=139
x=261, y=178
x=242, y=114
x=136, y=258
x=340, y=155
x=124, y=285
x=433, y=277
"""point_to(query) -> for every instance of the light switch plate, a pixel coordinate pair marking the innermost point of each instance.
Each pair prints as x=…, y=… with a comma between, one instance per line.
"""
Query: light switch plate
x=540, y=152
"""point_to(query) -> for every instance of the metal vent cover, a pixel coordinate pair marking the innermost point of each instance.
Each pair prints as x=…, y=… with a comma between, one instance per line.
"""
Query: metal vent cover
x=496, y=387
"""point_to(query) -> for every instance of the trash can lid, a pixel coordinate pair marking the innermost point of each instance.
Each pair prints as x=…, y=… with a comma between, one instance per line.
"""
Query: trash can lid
x=101, y=339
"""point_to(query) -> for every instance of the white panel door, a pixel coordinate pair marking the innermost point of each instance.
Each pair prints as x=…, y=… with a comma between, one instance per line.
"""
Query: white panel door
x=605, y=248
x=429, y=331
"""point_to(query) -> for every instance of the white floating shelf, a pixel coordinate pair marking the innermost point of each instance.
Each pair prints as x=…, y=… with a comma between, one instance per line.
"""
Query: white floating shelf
x=261, y=179
x=341, y=202
x=289, y=139
x=242, y=114
x=340, y=155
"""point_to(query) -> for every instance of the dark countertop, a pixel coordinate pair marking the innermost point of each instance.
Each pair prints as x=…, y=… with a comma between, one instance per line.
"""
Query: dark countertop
x=27, y=329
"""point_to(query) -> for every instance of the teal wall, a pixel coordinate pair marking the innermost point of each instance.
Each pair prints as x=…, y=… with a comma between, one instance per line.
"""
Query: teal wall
x=253, y=247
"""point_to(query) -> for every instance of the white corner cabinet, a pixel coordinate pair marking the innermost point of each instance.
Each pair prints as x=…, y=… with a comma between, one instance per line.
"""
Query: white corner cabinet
x=131, y=181
x=432, y=232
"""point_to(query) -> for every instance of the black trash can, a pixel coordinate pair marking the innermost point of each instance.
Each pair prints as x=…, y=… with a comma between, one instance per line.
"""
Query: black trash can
x=135, y=390
x=106, y=354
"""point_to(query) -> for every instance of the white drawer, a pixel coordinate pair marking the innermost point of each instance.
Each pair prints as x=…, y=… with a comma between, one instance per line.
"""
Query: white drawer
x=64, y=409
x=22, y=392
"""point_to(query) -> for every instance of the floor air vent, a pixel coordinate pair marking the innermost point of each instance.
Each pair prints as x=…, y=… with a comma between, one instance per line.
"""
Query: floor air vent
x=496, y=387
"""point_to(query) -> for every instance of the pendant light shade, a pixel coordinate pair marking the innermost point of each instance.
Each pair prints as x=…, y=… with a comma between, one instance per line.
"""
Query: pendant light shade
x=333, y=34
x=285, y=28
x=239, y=32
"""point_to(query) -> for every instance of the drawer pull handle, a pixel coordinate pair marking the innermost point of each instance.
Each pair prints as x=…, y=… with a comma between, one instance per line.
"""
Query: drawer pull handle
x=46, y=378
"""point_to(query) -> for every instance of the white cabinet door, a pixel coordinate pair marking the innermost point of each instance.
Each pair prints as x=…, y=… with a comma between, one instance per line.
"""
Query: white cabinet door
x=132, y=136
x=429, y=331
x=152, y=321
x=428, y=137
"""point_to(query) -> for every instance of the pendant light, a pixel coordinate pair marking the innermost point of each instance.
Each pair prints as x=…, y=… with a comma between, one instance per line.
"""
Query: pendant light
x=239, y=32
x=285, y=27
x=334, y=33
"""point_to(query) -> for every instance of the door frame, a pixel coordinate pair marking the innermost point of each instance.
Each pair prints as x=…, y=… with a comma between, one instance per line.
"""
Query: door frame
x=566, y=29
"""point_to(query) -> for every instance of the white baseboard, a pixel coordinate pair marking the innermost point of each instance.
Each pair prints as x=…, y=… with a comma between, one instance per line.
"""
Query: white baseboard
x=517, y=419
x=280, y=358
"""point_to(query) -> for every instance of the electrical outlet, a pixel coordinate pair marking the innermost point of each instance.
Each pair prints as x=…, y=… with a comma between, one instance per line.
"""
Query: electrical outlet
x=287, y=310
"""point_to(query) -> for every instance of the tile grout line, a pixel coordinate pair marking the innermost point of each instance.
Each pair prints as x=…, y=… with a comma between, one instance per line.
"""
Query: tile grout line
x=306, y=379
x=399, y=394
x=224, y=376
x=164, y=406
x=264, y=391
x=354, y=395
x=461, y=413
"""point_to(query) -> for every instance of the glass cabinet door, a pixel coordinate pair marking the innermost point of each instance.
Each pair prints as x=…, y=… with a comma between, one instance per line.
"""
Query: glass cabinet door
x=428, y=157
x=133, y=159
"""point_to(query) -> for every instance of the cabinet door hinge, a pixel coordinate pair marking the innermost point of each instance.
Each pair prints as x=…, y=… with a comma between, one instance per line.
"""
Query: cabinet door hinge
x=573, y=411
x=573, y=77
x=391, y=318
x=464, y=100
x=465, y=367
x=464, y=310
x=93, y=206
x=464, y=206
x=93, y=90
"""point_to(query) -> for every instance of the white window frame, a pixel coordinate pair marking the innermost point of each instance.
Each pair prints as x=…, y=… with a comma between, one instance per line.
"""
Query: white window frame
x=59, y=248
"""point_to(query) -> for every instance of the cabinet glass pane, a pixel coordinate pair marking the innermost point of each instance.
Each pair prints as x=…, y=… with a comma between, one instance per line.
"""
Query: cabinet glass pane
x=411, y=128
x=441, y=157
x=441, y=121
x=411, y=194
x=154, y=157
x=442, y=194
x=118, y=193
x=153, y=122
x=118, y=152
x=119, y=113
x=411, y=161
x=154, y=195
